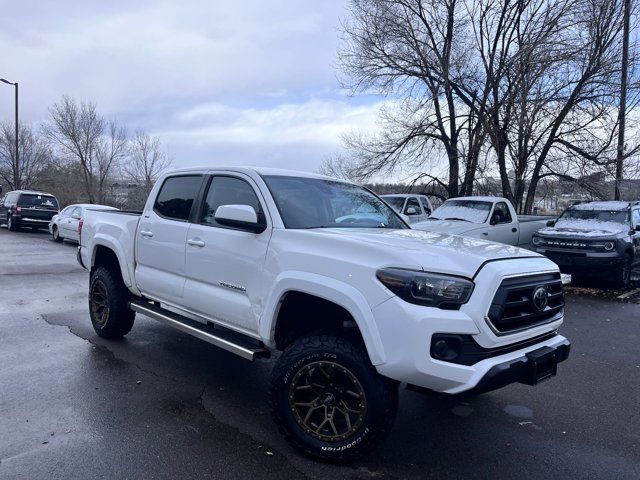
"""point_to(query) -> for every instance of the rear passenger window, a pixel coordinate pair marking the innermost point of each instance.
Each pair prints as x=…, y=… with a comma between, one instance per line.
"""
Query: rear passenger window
x=176, y=196
x=228, y=191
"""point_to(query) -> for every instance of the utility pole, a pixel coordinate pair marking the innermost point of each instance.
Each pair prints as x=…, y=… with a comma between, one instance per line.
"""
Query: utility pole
x=622, y=111
x=16, y=171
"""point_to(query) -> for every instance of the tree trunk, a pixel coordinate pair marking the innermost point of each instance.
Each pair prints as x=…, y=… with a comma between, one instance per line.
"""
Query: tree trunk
x=622, y=111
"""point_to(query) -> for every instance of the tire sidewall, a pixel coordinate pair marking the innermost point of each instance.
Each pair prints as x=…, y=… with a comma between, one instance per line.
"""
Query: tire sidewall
x=55, y=234
x=371, y=383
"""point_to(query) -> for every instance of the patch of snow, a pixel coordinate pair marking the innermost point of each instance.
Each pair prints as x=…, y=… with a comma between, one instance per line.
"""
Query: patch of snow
x=608, y=205
x=577, y=227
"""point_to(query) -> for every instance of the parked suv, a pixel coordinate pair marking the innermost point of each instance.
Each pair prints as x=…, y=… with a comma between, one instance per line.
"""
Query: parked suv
x=594, y=238
x=28, y=208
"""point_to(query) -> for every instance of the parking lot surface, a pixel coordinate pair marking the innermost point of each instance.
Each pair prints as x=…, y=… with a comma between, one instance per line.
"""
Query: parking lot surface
x=161, y=404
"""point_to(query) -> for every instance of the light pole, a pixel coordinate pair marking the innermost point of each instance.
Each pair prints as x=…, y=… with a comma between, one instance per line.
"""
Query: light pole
x=16, y=175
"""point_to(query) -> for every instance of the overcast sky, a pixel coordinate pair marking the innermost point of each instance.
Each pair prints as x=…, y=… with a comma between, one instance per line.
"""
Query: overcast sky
x=247, y=82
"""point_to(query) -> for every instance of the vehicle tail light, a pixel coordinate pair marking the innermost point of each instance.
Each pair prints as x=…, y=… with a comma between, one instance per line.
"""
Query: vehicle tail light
x=80, y=222
x=18, y=209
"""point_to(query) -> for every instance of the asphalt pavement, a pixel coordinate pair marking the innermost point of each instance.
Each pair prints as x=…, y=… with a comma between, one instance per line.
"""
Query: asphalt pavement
x=161, y=404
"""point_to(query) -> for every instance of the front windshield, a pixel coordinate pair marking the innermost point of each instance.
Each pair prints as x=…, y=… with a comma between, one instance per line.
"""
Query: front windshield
x=473, y=211
x=608, y=220
x=319, y=203
x=396, y=202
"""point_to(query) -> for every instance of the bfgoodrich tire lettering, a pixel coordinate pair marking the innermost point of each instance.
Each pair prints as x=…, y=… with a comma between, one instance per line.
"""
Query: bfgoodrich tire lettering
x=352, y=385
x=108, y=304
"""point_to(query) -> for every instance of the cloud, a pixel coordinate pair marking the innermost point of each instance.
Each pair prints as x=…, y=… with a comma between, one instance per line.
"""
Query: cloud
x=255, y=76
x=307, y=131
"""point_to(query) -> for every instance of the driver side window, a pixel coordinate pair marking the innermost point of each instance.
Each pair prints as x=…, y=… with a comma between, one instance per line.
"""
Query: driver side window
x=501, y=214
x=635, y=217
x=412, y=203
x=228, y=191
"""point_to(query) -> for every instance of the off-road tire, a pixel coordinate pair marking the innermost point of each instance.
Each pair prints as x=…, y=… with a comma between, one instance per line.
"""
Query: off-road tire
x=55, y=234
x=342, y=355
x=106, y=287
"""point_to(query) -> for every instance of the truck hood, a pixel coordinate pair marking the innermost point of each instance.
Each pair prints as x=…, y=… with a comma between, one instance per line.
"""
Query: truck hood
x=585, y=230
x=431, y=251
x=456, y=227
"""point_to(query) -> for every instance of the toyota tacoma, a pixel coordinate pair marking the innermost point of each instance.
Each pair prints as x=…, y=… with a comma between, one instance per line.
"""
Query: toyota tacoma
x=264, y=262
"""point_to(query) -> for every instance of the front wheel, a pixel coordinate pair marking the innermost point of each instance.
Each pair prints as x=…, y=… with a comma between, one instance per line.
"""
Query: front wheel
x=56, y=235
x=622, y=276
x=329, y=401
x=108, y=304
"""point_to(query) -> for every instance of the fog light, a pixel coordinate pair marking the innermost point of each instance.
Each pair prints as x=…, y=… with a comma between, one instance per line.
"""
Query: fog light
x=445, y=347
x=609, y=246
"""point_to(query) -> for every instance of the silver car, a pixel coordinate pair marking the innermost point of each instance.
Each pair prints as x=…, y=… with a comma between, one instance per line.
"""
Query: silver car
x=65, y=224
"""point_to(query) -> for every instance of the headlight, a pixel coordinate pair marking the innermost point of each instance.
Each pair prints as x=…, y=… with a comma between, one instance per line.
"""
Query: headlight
x=424, y=288
x=536, y=240
x=609, y=246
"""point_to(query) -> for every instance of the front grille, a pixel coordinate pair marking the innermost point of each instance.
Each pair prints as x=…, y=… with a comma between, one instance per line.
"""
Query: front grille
x=513, y=307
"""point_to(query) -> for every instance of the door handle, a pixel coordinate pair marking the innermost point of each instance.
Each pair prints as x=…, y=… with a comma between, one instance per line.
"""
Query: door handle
x=485, y=233
x=514, y=229
x=195, y=243
x=146, y=233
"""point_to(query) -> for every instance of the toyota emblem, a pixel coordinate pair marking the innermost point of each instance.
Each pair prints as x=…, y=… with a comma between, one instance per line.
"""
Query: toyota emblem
x=540, y=299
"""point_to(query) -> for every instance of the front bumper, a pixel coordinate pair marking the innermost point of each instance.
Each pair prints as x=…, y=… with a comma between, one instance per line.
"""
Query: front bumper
x=406, y=332
x=574, y=260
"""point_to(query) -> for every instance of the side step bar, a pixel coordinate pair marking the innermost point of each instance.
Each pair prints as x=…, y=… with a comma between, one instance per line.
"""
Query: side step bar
x=187, y=325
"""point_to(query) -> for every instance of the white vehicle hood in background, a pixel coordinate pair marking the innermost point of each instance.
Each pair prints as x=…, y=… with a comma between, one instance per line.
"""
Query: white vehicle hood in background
x=456, y=227
x=584, y=228
x=430, y=251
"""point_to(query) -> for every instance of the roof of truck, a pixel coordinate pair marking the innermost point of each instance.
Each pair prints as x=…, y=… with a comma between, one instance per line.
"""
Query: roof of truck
x=481, y=199
x=258, y=170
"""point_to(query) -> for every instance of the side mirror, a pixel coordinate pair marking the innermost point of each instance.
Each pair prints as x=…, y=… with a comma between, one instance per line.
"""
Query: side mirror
x=428, y=212
x=637, y=228
x=242, y=217
x=494, y=220
x=410, y=211
x=551, y=223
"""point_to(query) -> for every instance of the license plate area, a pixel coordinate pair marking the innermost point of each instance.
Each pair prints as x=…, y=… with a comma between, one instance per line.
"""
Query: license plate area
x=542, y=364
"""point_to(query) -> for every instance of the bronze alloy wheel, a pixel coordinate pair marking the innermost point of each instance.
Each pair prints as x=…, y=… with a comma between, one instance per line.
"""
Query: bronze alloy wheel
x=327, y=401
x=98, y=303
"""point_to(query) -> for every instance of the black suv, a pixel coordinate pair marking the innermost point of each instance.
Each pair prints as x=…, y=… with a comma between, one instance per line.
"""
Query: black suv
x=26, y=208
x=594, y=238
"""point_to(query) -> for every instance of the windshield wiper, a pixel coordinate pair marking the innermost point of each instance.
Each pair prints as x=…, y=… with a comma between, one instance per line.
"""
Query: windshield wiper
x=456, y=218
x=433, y=218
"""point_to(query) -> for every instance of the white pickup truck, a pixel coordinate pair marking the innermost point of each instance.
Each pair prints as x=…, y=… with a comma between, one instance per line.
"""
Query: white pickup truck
x=489, y=218
x=261, y=262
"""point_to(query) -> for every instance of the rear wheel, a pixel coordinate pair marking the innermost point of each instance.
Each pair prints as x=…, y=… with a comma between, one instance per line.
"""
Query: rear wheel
x=329, y=401
x=108, y=304
x=11, y=225
x=55, y=234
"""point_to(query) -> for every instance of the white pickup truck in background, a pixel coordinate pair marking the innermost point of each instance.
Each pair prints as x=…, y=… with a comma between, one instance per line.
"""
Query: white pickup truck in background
x=489, y=218
x=413, y=208
x=257, y=261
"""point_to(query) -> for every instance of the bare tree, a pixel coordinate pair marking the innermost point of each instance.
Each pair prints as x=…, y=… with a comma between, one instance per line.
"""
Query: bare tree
x=145, y=162
x=33, y=151
x=525, y=86
x=146, y=159
x=81, y=135
x=110, y=149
